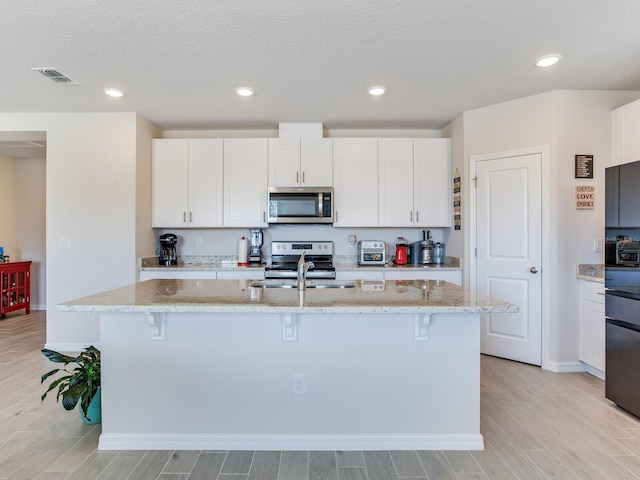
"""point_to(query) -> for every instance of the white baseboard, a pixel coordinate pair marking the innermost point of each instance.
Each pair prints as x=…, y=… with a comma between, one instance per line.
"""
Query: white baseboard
x=115, y=441
x=561, y=367
x=69, y=347
x=35, y=306
x=596, y=372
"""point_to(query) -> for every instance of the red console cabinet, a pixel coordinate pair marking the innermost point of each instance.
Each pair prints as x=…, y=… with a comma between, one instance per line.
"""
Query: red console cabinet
x=15, y=285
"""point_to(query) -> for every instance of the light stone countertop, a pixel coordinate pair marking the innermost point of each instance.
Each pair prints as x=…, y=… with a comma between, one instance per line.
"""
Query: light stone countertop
x=592, y=272
x=236, y=296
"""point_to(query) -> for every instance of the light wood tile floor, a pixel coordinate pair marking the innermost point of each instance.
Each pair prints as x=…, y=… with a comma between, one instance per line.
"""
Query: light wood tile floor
x=536, y=425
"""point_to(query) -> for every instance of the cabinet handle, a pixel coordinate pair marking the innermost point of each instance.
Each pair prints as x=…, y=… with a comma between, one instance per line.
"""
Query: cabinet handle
x=336, y=216
x=303, y=176
x=264, y=217
x=417, y=215
x=297, y=177
x=411, y=215
x=190, y=217
x=184, y=217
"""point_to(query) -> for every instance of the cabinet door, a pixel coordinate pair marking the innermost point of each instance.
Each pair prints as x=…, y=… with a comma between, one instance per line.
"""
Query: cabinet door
x=205, y=183
x=395, y=179
x=245, y=182
x=316, y=162
x=629, y=195
x=611, y=193
x=626, y=133
x=432, y=182
x=284, y=162
x=355, y=179
x=592, y=325
x=170, y=185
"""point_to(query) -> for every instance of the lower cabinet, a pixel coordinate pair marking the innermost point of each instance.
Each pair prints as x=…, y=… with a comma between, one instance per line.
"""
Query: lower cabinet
x=177, y=274
x=451, y=276
x=15, y=283
x=592, y=326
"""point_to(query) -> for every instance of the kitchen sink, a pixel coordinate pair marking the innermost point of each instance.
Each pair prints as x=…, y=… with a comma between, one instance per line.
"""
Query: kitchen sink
x=294, y=284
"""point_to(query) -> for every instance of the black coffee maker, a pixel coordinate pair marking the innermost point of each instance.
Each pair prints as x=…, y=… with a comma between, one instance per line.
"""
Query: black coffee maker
x=167, y=253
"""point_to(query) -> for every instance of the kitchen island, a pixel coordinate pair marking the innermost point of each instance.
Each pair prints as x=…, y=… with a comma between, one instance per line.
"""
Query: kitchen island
x=219, y=364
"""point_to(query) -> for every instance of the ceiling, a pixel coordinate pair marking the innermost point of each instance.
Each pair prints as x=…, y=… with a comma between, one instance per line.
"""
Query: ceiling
x=310, y=60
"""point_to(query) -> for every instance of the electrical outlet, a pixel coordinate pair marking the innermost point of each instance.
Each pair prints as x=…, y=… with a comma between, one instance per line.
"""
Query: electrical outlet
x=299, y=384
x=198, y=241
x=597, y=244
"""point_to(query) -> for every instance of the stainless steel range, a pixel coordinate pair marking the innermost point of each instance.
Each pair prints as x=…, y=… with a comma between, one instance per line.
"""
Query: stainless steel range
x=285, y=256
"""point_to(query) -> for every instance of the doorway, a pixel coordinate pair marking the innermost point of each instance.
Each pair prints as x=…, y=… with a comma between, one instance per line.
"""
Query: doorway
x=507, y=250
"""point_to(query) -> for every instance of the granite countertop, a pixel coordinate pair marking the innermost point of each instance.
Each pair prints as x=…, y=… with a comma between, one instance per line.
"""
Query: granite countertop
x=592, y=272
x=341, y=263
x=236, y=296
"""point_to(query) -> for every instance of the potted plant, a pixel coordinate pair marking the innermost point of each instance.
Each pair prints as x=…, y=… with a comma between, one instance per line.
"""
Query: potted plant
x=81, y=384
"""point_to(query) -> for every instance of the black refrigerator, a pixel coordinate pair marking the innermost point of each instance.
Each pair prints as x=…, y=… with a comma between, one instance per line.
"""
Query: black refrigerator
x=622, y=282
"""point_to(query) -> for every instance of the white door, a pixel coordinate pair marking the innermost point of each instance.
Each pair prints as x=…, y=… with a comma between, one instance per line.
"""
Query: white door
x=509, y=254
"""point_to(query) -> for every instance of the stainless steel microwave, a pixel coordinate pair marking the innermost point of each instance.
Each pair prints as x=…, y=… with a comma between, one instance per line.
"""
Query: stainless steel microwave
x=300, y=205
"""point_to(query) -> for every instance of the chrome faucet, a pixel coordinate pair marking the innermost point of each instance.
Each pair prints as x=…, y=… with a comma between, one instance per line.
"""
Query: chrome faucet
x=302, y=271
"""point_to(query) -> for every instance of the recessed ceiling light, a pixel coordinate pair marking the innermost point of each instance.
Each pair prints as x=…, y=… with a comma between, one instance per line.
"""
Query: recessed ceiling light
x=244, y=91
x=113, y=92
x=378, y=90
x=548, y=60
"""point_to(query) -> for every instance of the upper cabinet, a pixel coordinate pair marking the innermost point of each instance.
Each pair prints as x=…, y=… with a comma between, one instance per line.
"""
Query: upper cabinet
x=622, y=195
x=355, y=182
x=245, y=182
x=414, y=182
x=626, y=134
x=306, y=162
x=187, y=183
x=432, y=185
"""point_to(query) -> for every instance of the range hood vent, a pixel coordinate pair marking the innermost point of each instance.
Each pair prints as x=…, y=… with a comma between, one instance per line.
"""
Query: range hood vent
x=56, y=76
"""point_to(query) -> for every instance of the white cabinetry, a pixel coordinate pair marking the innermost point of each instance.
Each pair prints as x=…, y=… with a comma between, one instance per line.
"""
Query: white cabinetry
x=178, y=274
x=359, y=275
x=592, y=326
x=396, y=176
x=187, y=183
x=452, y=276
x=306, y=162
x=432, y=182
x=245, y=182
x=626, y=133
x=355, y=179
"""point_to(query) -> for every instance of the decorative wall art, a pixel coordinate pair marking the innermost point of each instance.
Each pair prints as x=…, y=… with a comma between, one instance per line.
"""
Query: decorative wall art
x=457, y=207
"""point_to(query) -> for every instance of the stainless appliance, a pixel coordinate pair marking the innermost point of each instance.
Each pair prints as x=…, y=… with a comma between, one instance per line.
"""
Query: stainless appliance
x=167, y=254
x=255, y=248
x=300, y=205
x=628, y=252
x=437, y=254
x=372, y=252
x=285, y=256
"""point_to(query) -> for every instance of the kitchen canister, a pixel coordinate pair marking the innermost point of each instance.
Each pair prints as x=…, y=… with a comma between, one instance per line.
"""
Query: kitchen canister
x=243, y=252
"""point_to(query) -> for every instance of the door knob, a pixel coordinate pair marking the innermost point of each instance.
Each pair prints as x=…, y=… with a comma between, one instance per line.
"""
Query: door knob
x=533, y=270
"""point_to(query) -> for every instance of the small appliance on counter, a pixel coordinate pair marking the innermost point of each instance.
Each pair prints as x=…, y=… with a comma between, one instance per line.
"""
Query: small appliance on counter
x=255, y=249
x=371, y=252
x=402, y=251
x=168, y=254
x=421, y=252
x=437, y=255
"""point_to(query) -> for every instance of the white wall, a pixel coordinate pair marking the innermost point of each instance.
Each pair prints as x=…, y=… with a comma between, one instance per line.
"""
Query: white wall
x=8, y=199
x=455, y=131
x=31, y=224
x=91, y=199
x=567, y=123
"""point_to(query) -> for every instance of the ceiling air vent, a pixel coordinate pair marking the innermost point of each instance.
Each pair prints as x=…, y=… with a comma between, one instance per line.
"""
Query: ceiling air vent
x=56, y=76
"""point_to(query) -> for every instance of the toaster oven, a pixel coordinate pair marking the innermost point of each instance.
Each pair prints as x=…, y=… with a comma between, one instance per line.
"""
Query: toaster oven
x=372, y=252
x=628, y=252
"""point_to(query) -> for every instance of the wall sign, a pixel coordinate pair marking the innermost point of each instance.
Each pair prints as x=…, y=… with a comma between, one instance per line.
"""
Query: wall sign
x=457, y=207
x=585, y=197
x=584, y=166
